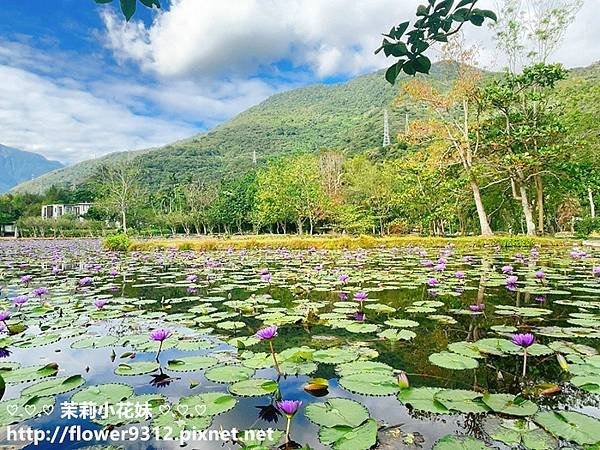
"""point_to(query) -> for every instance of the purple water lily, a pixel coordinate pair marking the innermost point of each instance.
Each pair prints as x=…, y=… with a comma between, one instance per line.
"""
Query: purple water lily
x=25, y=279
x=289, y=408
x=191, y=278
x=477, y=308
x=20, y=300
x=39, y=292
x=159, y=335
x=360, y=296
x=343, y=278
x=267, y=334
x=511, y=282
x=460, y=275
x=85, y=281
x=596, y=271
x=524, y=340
x=100, y=303
x=4, y=315
x=432, y=282
x=540, y=275
x=266, y=277
x=403, y=380
x=507, y=269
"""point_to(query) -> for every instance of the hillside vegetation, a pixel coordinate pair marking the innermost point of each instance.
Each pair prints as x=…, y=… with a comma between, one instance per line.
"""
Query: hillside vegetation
x=345, y=116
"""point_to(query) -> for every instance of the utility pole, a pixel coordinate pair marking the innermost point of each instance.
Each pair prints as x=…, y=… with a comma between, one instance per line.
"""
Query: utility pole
x=386, y=128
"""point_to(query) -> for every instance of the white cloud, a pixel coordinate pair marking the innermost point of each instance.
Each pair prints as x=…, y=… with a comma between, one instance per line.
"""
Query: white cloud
x=333, y=37
x=71, y=125
x=213, y=37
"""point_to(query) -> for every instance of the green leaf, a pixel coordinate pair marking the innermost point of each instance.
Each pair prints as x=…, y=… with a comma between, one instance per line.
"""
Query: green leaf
x=136, y=368
x=393, y=71
x=337, y=412
x=151, y=3
x=453, y=361
x=55, y=386
x=461, y=400
x=422, y=64
x=228, y=374
x=191, y=363
x=128, y=8
x=207, y=404
x=455, y=443
x=103, y=1
x=349, y=438
x=422, y=399
x=570, y=425
x=422, y=10
x=370, y=383
x=510, y=405
x=335, y=355
x=111, y=393
x=254, y=387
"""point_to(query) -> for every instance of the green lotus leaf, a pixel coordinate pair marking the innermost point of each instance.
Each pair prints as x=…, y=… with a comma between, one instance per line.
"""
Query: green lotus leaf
x=136, y=368
x=422, y=399
x=55, y=386
x=206, y=404
x=29, y=373
x=191, y=363
x=253, y=387
x=99, y=394
x=337, y=412
x=510, y=405
x=228, y=374
x=456, y=443
x=370, y=383
x=461, y=400
x=335, y=355
x=453, y=361
x=570, y=425
x=350, y=438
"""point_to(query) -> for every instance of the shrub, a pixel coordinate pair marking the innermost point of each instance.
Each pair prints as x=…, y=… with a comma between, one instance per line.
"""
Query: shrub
x=587, y=225
x=117, y=242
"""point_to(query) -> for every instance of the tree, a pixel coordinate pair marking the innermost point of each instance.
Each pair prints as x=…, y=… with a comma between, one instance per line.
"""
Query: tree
x=456, y=125
x=437, y=21
x=120, y=190
x=524, y=130
x=128, y=7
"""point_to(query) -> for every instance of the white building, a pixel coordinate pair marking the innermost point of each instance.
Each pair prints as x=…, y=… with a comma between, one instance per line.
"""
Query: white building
x=54, y=211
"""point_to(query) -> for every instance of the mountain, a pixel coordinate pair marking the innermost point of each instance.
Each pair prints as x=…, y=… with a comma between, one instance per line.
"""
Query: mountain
x=346, y=116
x=17, y=166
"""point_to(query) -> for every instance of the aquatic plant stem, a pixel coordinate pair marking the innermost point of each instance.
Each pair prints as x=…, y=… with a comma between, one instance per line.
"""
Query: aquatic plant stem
x=159, y=350
x=287, y=430
x=274, y=358
x=524, y=361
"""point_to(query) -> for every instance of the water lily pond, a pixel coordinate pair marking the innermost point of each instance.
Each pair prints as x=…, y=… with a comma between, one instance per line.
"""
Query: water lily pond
x=391, y=348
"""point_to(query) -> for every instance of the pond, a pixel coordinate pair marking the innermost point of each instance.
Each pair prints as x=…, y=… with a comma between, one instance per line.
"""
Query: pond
x=391, y=348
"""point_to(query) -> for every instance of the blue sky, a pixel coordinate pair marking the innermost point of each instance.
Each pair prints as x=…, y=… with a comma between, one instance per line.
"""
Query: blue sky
x=78, y=82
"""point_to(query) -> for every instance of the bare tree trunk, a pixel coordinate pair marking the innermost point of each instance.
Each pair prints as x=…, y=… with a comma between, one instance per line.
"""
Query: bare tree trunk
x=124, y=216
x=539, y=188
x=484, y=225
x=592, y=205
x=527, y=210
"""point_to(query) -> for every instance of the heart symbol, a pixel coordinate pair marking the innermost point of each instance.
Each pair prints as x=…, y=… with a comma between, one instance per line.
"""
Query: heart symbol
x=12, y=409
x=182, y=409
x=200, y=409
x=30, y=409
x=164, y=408
x=47, y=409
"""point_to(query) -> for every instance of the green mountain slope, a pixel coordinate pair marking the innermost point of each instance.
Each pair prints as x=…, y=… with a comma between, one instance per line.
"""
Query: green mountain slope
x=346, y=116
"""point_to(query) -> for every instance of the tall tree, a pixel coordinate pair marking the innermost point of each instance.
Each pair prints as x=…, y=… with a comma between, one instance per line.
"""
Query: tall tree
x=120, y=190
x=456, y=124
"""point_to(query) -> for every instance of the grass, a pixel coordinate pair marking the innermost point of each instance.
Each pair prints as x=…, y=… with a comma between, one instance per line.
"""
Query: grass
x=332, y=242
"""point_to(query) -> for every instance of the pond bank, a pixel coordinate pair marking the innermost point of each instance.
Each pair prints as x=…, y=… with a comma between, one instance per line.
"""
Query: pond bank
x=341, y=242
